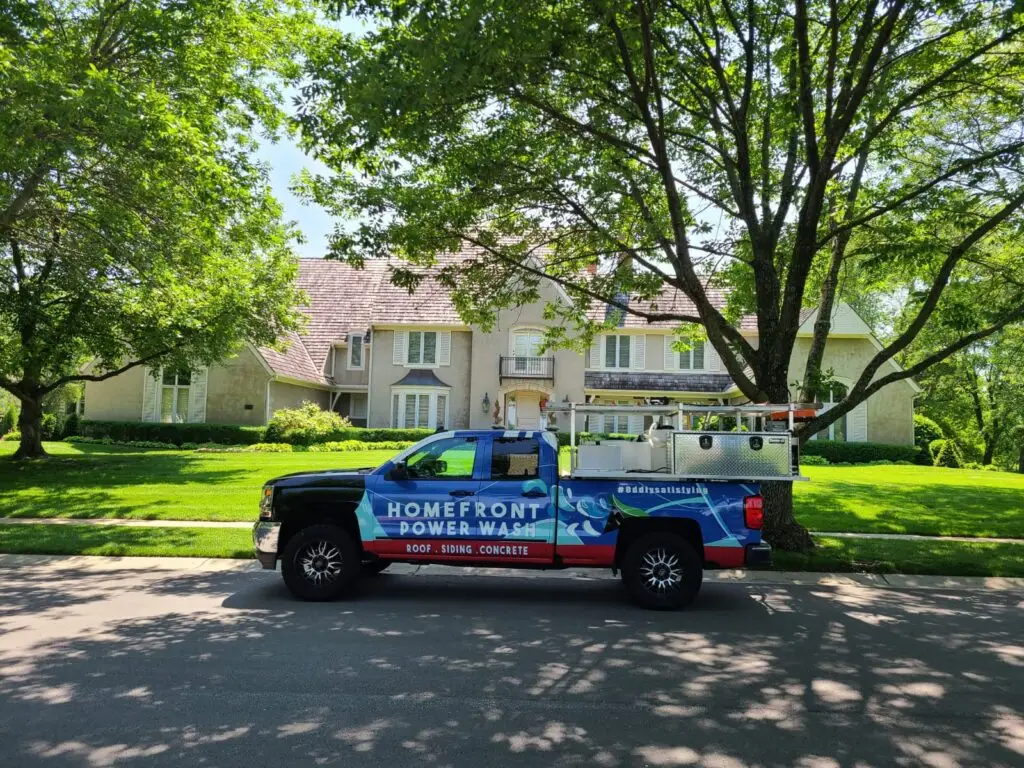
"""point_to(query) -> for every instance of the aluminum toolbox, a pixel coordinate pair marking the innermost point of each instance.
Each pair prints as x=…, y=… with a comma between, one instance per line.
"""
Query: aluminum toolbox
x=733, y=455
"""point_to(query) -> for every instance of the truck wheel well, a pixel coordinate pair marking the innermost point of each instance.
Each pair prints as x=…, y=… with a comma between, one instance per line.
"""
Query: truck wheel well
x=631, y=530
x=297, y=519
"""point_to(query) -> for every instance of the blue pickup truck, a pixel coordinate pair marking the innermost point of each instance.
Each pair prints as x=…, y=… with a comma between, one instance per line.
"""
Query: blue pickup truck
x=495, y=498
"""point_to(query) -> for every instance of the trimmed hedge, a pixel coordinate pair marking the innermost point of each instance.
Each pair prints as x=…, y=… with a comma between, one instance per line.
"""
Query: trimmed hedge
x=359, y=434
x=858, y=453
x=138, y=431
x=563, y=437
x=946, y=453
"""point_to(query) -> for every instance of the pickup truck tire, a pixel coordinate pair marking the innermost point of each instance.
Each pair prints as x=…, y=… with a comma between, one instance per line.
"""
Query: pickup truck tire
x=662, y=571
x=320, y=563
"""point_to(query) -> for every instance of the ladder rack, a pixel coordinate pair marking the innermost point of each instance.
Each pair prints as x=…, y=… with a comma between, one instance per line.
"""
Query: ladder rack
x=728, y=449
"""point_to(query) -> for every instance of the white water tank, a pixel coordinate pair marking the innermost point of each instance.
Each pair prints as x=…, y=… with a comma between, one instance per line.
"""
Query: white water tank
x=659, y=437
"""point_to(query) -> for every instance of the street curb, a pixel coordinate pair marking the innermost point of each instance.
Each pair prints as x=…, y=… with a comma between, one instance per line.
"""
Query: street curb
x=737, y=577
x=134, y=523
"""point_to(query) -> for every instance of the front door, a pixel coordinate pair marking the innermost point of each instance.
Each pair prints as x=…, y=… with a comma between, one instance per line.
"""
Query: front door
x=527, y=410
x=432, y=504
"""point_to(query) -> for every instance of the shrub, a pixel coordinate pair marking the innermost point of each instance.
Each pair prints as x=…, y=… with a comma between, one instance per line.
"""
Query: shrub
x=345, y=434
x=178, y=434
x=925, y=431
x=813, y=461
x=153, y=444
x=563, y=437
x=357, y=445
x=71, y=426
x=304, y=425
x=270, y=448
x=857, y=453
x=13, y=436
x=51, y=427
x=8, y=420
x=946, y=453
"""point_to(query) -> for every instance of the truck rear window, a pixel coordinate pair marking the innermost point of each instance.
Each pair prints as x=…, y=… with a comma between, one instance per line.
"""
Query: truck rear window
x=515, y=458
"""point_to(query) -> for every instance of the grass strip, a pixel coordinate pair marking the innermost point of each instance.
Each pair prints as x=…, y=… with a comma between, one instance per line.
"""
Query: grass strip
x=117, y=540
x=938, y=557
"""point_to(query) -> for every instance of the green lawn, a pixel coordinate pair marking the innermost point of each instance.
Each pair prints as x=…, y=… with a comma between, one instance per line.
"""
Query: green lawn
x=107, y=481
x=911, y=499
x=83, y=480
x=937, y=557
x=119, y=540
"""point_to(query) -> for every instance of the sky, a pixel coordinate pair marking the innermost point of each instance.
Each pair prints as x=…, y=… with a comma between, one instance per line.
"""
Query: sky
x=285, y=160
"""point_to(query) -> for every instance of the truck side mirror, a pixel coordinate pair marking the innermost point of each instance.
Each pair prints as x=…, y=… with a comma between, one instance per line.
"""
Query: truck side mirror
x=399, y=471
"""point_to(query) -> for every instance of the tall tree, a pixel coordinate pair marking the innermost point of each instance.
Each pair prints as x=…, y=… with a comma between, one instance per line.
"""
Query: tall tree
x=764, y=145
x=978, y=395
x=135, y=227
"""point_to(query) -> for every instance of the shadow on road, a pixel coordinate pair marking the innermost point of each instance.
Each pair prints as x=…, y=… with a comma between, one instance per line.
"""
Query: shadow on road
x=150, y=668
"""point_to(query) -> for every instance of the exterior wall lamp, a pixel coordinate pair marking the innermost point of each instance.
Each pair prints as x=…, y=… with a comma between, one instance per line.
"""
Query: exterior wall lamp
x=485, y=404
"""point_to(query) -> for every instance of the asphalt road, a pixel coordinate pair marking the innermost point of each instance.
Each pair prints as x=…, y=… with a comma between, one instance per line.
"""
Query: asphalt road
x=134, y=668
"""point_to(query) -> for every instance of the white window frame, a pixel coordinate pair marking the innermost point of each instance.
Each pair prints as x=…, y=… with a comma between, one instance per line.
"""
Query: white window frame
x=520, y=363
x=176, y=418
x=618, y=351
x=830, y=430
x=432, y=393
x=423, y=345
x=688, y=355
x=353, y=335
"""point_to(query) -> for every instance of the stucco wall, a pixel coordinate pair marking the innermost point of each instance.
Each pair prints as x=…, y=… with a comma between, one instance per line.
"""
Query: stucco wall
x=284, y=395
x=234, y=383
x=345, y=376
x=488, y=347
x=116, y=399
x=890, y=411
x=385, y=373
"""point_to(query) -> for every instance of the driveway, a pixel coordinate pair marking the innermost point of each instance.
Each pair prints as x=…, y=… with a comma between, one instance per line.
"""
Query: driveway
x=202, y=668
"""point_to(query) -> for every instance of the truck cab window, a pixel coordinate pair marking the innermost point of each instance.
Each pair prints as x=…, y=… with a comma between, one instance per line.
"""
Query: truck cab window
x=515, y=458
x=449, y=459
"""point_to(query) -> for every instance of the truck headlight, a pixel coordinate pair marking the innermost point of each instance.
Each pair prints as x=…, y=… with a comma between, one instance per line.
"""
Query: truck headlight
x=267, y=503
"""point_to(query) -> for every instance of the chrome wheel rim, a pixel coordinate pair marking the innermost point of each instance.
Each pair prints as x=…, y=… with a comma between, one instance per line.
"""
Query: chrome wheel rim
x=320, y=562
x=661, y=571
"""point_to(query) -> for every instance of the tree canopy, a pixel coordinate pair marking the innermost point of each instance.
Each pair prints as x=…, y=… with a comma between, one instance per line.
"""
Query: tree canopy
x=135, y=225
x=774, y=148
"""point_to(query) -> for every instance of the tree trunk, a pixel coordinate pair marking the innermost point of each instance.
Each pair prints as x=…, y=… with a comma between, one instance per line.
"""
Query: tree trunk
x=30, y=424
x=990, y=449
x=781, y=528
x=1020, y=460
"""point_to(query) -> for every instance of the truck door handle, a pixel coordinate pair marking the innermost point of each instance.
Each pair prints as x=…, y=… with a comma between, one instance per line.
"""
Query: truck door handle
x=535, y=494
x=461, y=493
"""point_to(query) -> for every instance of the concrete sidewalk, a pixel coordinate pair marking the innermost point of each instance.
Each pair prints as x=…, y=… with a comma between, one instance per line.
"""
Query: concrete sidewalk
x=740, y=577
x=216, y=524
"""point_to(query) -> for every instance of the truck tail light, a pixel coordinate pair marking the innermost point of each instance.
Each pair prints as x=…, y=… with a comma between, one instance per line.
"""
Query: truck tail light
x=753, y=512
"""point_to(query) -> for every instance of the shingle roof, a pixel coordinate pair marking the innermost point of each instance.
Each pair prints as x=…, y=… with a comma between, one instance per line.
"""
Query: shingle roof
x=712, y=383
x=420, y=377
x=675, y=302
x=344, y=299
x=671, y=300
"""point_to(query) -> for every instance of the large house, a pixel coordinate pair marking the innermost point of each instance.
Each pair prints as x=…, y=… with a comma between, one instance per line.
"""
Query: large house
x=382, y=357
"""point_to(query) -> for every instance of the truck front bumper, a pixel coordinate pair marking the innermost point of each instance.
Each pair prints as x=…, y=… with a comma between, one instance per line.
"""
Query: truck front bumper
x=264, y=538
x=759, y=555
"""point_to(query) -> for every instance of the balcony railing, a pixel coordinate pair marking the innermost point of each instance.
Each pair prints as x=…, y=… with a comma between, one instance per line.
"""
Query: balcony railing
x=519, y=367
